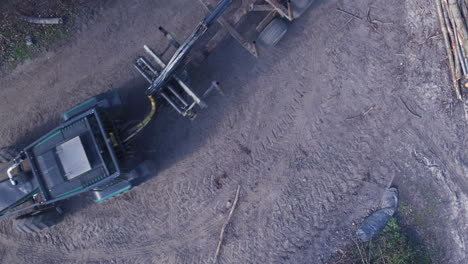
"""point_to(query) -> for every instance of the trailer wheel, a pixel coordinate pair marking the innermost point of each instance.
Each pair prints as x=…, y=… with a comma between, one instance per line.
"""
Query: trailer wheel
x=300, y=6
x=273, y=32
x=37, y=221
x=7, y=154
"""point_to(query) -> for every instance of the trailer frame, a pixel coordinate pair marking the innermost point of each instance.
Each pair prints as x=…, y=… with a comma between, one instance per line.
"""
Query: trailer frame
x=164, y=78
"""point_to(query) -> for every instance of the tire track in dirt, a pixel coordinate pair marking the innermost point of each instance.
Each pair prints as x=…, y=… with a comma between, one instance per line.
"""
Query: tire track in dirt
x=189, y=235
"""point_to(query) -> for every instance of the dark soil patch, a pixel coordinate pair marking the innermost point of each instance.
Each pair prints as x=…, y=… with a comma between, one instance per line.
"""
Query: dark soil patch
x=14, y=31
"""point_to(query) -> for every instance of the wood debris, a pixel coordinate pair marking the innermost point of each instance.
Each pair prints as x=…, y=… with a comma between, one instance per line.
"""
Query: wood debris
x=223, y=229
x=452, y=16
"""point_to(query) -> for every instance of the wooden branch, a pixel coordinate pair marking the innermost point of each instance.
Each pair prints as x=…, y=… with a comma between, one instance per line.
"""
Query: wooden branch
x=223, y=229
x=409, y=109
x=349, y=13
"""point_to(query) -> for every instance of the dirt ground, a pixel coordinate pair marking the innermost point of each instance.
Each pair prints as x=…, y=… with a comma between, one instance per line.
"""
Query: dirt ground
x=313, y=131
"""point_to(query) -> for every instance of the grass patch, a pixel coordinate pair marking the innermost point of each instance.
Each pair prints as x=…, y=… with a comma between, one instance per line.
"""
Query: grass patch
x=393, y=246
x=21, y=52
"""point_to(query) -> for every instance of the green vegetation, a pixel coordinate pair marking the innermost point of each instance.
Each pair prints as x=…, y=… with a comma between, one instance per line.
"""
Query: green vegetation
x=393, y=246
x=21, y=52
x=53, y=34
x=17, y=50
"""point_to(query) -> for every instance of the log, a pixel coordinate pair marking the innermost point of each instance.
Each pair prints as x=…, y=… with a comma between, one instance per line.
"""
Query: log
x=42, y=21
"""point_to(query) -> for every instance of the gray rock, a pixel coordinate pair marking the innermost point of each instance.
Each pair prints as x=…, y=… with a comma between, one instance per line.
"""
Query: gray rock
x=376, y=222
x=28, y=40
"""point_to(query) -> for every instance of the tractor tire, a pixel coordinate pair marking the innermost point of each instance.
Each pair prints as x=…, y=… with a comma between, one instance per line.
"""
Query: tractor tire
x=300, y=6
x=273, y=32
x=7, y=154
x=37, y=221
